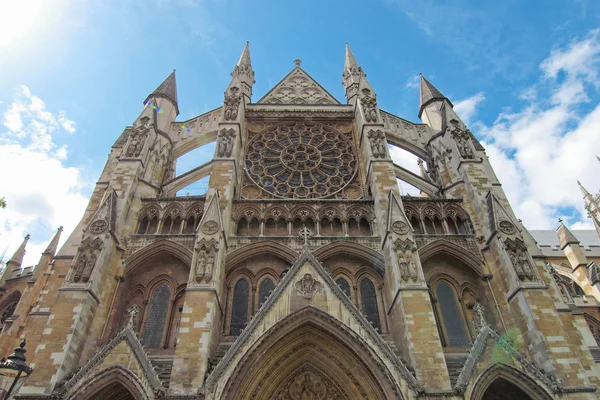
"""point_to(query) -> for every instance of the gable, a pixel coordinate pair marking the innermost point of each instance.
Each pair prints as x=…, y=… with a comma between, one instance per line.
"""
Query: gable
x=298, y=87
x=307, y=285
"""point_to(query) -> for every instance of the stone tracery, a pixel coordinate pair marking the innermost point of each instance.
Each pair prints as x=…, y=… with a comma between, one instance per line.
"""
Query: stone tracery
x=300, y=160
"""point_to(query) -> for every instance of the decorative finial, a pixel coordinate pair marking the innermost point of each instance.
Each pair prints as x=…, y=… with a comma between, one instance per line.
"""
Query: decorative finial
x=560, y=220
x=297, y=62
x=132, y=311
x=27, y=236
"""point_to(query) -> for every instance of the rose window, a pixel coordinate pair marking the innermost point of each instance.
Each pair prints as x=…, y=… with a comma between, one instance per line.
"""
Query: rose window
x=300, y=160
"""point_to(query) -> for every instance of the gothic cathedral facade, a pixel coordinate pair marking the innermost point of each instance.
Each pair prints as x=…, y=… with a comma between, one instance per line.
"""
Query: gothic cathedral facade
x=302, y=273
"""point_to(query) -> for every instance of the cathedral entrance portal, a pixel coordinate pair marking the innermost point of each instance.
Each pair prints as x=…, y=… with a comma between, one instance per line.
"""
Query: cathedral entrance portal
x=305, y=358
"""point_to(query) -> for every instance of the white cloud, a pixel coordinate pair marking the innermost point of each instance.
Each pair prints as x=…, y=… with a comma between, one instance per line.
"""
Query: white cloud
x=413, y=82
x=541, y=150
x=42, y=193
x=466, y=108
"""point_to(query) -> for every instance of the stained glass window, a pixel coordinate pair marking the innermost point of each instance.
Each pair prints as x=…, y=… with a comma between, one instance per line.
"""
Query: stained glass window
x=343, y=284
x=264, y=290
x=157, y=315
x=369, y=303
x=239, y=307
x=451, y=315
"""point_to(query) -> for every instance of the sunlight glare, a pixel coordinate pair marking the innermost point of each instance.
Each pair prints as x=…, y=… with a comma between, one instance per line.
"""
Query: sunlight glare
x=16, y=19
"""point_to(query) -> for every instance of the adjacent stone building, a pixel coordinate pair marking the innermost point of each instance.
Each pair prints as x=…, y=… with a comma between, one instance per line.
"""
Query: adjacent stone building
x=303, y=273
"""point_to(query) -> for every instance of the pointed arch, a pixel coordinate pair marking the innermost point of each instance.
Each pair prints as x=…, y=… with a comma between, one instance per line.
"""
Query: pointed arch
x=115, y=379
x=315, y=342
x=447, y=247
x=364, y=253
x=162, y=246
x=264, y=247
x=511, y=375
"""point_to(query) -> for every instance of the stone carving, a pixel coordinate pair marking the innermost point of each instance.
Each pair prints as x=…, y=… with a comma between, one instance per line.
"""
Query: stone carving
x=308, y=386
x=377, y=140
x=307, y=286
x=369, y=104
x=133, y=312
x=300, y=160
x=298, y=88
x=517, y=253
x=138, y=138
x=207, y=253
x=88, y=252
x=305, y=234
x=462, y=139
x=98, y=226
x=231, y=104
x=400, y=227
x=406, y=262
x=507, y=227
x=226, y=138
x=210, y=227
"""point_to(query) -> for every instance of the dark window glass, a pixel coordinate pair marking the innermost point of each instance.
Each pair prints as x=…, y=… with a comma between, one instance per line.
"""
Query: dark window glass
x=239, y=307
x=369, y=303
x=264, y=290
x=143, y=226
x=578, y=290
x=343, y=284
x=157, y=315
x=451, y=318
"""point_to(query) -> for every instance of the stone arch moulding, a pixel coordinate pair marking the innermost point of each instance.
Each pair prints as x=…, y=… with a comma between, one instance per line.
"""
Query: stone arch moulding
x=353, y=249
x=171, y=187
x=510, y=374
x=460, y=253
x=263, y=247
x=162, y=246
x=95, y=383
x=310, y=342
x=185, y=146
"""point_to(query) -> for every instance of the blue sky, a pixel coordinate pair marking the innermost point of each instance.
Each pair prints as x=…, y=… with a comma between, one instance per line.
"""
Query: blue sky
x=73, y=74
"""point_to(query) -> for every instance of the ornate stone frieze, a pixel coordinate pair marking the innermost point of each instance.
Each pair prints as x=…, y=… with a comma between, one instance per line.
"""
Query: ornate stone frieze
x=231, y=104
x=225, y=145
x=378, y=144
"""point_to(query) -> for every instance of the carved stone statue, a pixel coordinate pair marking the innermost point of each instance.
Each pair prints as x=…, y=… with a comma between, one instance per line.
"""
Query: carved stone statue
x=225, y=146
x=200, y=266
x=369, y=104
x=210, y=262
x=138, y=138
x=377, y=140
x=231, y=104
x=463, y=142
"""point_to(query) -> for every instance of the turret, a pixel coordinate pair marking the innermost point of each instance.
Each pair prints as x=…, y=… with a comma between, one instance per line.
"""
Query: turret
x=47, y=255
x=161, y=105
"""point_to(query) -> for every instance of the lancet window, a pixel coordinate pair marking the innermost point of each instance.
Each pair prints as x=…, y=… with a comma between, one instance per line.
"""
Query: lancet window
x=452, y=322
x=239, y=307
x=368, y=298
x=157, y=316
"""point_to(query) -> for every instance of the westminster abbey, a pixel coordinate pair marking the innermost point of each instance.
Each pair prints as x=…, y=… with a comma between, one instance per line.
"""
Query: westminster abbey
x=303, y=273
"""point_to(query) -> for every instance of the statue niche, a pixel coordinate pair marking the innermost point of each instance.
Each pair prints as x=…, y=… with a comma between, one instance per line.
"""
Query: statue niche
x=86, y=260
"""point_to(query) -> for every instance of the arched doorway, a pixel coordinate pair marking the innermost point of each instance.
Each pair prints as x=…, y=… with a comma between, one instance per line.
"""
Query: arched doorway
x=503, y=382
x=310, y=355
x=113, y=391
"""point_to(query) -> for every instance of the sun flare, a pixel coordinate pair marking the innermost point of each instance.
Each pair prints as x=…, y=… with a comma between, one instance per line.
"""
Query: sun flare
x=17, y=17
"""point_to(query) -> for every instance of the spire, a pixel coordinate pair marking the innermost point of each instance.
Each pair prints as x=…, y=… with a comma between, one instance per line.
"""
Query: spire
x=565, y=237
x=245, y=57
x=53, y=246
x=17, y=258
x=167, y=89
x=429, y=94
x=350, y=61
x=586, y=195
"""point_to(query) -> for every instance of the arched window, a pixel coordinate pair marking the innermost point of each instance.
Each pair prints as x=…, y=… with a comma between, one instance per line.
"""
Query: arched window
x=439, y=229
x=365, y=227
x=416, y=225
x=157, y=316
x=242, y=227
x=462, y=226
x=143, y=226
x=176, y=226
x=239, y=307
x=338, y=228
x=578, y=290
x=264, y=291
x=429, y=227
x=152, y=225
x=270, y=227
x=344, y=285
x=353, y=229
x=368, y=298
x=326, y=227
x=451, y=318
x=254, y=227
x=166, y=227
x=282, y=227
x=189, y=225
x=451, y=226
